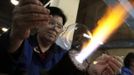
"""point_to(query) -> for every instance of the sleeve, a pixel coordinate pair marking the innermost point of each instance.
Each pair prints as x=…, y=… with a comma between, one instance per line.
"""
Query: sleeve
x=7, y=63
x=59, y=54
x=66, y=67
x=54, y=56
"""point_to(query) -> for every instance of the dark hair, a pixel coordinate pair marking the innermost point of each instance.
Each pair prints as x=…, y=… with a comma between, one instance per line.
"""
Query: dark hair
x=57, y=11
x=129, y=59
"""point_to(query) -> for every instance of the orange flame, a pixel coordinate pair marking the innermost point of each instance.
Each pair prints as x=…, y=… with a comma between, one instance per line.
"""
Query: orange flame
x=110, y=22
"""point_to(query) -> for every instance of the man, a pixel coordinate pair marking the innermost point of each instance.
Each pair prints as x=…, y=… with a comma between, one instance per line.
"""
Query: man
x=128, y=68
x=21, y=53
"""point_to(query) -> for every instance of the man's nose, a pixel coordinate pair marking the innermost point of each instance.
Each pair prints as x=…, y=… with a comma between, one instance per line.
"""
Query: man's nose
x=56, y=28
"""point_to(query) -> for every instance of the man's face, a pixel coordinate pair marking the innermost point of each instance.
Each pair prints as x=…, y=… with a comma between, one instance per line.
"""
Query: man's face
x=51, y=33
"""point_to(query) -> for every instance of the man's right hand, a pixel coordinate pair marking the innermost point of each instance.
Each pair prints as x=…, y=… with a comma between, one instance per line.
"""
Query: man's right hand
x=27, y=15
x=106, y=65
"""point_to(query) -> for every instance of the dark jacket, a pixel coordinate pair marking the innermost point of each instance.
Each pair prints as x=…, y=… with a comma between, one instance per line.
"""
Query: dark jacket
x=66, y=67
x=26, y=60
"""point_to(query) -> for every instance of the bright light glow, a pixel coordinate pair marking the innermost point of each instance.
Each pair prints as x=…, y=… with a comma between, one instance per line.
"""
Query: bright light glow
x=110, y=22
x=87, y=36
x=14, y=2
x=4, y=29
x=101, y=43
x=95, y=62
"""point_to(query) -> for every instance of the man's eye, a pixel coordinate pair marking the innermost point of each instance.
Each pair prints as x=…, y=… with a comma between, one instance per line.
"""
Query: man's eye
x=51, y=23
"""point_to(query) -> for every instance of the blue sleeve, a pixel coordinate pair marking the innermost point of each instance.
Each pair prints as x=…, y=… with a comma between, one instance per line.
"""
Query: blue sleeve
x=66, y=67
x=126, y=71
x=55, y=57
x=59, y=54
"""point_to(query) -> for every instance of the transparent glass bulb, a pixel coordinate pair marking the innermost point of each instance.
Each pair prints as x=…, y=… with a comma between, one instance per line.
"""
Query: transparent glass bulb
x=73, y=35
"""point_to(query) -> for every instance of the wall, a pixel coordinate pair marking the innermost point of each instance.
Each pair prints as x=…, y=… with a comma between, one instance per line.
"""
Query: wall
x=120, y=51
x=69, y=7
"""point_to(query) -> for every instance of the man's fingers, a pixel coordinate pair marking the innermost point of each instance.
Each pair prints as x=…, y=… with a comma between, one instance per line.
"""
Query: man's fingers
x=31, y=24
x=110, y=70
x=103, y=57
x=31, y=17
x=114, y=67
x=24, y=2
x=119, y=59
x=38, y=24
x=31, y=8
x=105, y=73
x=116, y=62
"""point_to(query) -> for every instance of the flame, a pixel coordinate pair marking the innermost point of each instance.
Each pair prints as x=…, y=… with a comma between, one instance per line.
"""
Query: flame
x=110, y=22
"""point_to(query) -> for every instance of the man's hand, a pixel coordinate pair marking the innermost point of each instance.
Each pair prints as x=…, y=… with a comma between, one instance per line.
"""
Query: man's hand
x=27, y=15
x=105, y=65
x=97, y=67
